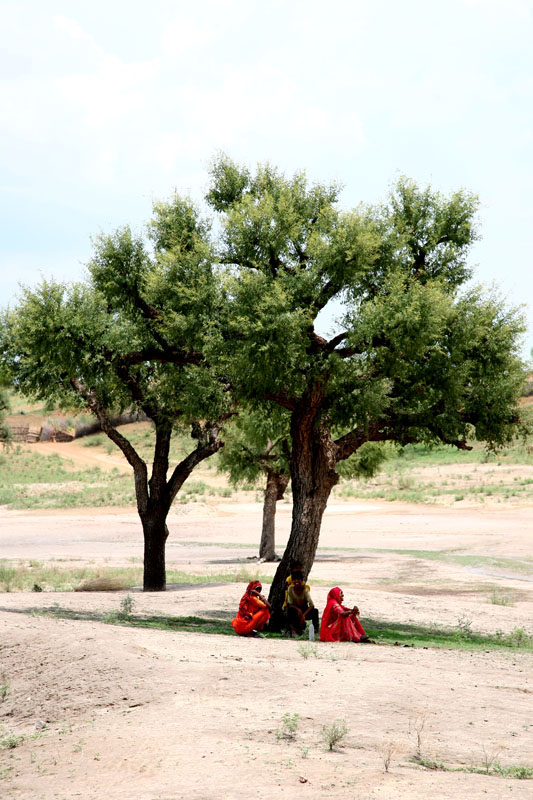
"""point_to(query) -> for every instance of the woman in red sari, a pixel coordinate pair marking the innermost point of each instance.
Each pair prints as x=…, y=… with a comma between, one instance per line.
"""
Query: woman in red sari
x=341, y=624
x=253, y=613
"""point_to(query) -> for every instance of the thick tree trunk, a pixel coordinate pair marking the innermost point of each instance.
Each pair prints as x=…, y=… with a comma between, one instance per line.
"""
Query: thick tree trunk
x=313, y=476
x=274, y=491
x=155, y=536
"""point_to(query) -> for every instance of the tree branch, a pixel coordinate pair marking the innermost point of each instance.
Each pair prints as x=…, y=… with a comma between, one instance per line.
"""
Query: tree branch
x=133, y=458
x=210, y=444
x=340, y=337
x=283, y=399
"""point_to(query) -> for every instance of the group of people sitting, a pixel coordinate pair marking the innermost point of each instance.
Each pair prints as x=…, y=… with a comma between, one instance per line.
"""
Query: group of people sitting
x=339, y=623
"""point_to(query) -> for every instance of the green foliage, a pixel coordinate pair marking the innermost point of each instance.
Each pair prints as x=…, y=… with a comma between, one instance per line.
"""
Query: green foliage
x=8, y=741
x=133, y=333
x=418, y=361
x=366, y=461
x=333, y=734
x=256, y=441
x=289, y=726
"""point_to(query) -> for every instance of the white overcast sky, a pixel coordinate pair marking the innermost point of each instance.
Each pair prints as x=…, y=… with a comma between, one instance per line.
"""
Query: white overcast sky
x=106, y=106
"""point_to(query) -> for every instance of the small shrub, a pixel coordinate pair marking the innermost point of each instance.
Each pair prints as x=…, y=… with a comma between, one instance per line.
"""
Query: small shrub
x=517, y=771
x=332, y=735
x=489, y=757
x=518, y=637
x=10, y=740
x=464, y=627
x=4, y=690
x=416, y=727
x=126, y=607
x=498, y=599
x=289, y=726
x=387, y=750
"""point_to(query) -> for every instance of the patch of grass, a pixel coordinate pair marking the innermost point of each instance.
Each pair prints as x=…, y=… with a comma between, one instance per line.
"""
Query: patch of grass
x=8, y=741
x=522, y=565
x=22, y=577
x=494, y=768
x=384, y=632
x=460, y=638
x=94, y=441
x=403, y=476
x=31, y=480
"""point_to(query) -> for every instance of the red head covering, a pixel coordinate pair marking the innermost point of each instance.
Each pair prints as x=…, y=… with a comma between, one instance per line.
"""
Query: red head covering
x=334, y=598
x=245, y=607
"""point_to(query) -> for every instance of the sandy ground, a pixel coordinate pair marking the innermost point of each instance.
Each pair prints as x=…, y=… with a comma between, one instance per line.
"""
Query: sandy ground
x=116, y=712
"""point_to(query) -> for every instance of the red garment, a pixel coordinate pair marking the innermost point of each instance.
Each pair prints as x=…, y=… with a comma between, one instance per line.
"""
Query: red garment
x=253, y=614
x=335, y=627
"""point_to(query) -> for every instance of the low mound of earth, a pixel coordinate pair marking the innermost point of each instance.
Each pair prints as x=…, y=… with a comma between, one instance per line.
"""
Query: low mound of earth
x=94, y=710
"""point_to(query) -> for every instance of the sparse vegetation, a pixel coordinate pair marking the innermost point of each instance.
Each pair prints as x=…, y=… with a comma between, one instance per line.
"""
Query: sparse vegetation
x=416, y=729
x=387, y=750
x=289, y=726
x=306, y=650
x=8, y=741
x=499, y=599
x=58, y=577
x=332, y=735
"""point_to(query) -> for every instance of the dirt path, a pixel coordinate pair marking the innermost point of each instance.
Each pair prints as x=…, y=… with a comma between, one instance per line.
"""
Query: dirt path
x=113, y=712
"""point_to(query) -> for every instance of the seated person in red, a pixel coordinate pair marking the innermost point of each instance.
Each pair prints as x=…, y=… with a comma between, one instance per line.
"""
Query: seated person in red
x=300, y=607
x=253, y=613
x=341, y=624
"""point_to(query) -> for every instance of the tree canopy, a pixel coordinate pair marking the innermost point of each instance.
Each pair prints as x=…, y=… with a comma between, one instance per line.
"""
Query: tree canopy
x=132, y=337
x=418, y=356
x=186, y=327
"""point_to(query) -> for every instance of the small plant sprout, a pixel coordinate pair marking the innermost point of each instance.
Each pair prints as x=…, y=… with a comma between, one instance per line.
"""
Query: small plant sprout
x=289, y=726
x=306, y=650
x=332, y=735
x=4, y=689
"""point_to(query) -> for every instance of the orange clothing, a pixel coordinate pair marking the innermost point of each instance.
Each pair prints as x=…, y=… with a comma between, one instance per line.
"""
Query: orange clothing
x=252, y=615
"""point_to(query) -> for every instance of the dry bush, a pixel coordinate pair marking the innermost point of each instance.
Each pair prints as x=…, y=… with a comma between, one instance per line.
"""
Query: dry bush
x=101, y=585
x=387, y=750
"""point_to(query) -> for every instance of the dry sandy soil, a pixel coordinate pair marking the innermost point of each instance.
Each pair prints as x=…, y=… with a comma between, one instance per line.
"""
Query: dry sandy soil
x=116, y=712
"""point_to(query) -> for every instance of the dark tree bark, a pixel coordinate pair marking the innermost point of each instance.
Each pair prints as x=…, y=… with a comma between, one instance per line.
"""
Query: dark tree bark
x=155, y=496
x=313, y=476
x=274, y=491
x=155, y=537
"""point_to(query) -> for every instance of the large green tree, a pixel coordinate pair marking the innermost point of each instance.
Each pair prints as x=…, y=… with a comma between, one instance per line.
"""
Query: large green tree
x=132, y=337
x=417, y=357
